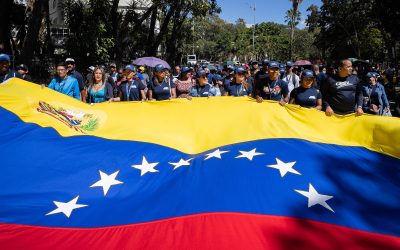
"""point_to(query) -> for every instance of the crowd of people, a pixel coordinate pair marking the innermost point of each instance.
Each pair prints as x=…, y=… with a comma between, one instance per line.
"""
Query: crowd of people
x=336, y=90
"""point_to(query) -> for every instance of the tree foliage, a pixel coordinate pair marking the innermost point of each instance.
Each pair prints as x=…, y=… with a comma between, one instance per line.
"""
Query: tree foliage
x=366, y=29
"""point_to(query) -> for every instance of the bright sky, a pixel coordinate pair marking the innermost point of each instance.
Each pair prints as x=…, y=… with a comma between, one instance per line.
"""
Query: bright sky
x=266, y=10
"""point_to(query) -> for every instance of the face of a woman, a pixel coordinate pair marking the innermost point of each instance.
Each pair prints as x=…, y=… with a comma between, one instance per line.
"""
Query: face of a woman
x=160, y=75
x=202, y=80
x=372, y=80
x=98, y=76
x=239, y=77
x=307, y=82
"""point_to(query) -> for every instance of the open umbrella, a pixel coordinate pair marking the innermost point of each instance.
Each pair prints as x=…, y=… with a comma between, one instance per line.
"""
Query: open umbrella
x=302, y=63
x=151, y=62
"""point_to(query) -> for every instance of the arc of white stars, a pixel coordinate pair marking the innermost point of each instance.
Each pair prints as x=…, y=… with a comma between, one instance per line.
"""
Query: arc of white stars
x=315, y=198
x=181, y=163
x=106, y=181
x=284, y=168
x=216, y=154
x=249, y=154
x=146, y=167
x=66, y=207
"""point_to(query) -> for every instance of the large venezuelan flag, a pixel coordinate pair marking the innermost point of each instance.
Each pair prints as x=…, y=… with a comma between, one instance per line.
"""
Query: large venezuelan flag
x=218, y=173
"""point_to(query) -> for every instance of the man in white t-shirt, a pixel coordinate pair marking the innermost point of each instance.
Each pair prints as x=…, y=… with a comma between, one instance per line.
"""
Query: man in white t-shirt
x=291, y=78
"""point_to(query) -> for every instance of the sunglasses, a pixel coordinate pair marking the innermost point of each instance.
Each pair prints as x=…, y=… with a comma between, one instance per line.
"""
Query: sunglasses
x=274, y=70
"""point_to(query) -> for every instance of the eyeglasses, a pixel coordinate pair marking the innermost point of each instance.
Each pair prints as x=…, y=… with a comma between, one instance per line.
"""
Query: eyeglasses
x=61, y=70
x=274, y=70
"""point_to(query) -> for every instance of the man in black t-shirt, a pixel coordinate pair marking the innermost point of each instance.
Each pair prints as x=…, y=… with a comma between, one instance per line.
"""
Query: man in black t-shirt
x=341, y=93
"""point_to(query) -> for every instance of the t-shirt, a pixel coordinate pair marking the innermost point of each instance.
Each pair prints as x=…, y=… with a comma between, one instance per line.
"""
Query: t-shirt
x=131, y=90
x=68, y=86
x=161, y=91
x=10, y=74
x=341, y=93
x=306, y=97
x=203, y=91
x=78, y=76
x=273, y=90
x=234, y=89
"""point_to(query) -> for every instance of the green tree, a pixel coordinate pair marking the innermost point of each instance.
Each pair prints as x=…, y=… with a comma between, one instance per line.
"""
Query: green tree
x=293, y=17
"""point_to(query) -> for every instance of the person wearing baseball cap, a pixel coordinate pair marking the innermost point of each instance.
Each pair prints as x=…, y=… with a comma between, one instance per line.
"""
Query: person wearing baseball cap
x=113, y=72
x=261, y=75
x=160, y=87
x=238, y=86
x=184, y=82
x=70, y=62
x=375, y=100
x=132, y=89
x=272, y=88
x=292, y=80
x=23, y=71
x=5, y=71
x=203, y=88
x=306, y=95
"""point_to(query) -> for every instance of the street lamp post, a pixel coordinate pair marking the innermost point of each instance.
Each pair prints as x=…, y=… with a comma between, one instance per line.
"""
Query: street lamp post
x=253, y=8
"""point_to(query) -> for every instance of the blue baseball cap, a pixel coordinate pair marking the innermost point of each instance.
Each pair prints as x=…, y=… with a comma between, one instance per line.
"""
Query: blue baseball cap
x=265, y=62
x=240, y=70
x=130, y=67
x=273, y=65
x=372, y=74
x=4, y=58
x=307, y=74
x=201, y=73
x=289, y=64
x=185, y=69
x=159, y=68
x=217, y=77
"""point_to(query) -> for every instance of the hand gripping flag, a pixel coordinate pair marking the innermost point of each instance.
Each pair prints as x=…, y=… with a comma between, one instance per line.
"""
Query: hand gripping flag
x=210, y=173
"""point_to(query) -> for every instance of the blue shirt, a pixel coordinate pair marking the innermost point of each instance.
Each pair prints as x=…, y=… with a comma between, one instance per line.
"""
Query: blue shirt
x=161, y=91
x=98, y=96
x=203, y=91
x=273, y=90
x=306, y=97
x=68, y=86
x=234, y=89
x=78, y=76
x=131, y=90
x=10, y=74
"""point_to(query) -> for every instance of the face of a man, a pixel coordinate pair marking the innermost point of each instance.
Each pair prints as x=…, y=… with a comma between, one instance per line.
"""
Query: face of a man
x=70, y=66
x=273, y=73
x=177, y=70
x=61, y=72
x=346, y=69
x=129, y=74
x=4, y=65
x=112, y=69
x=22, y=71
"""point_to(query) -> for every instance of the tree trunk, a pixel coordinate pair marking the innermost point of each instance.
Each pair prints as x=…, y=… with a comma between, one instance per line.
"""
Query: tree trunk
x=150, y=39
x=5, y=26
x=31, y=38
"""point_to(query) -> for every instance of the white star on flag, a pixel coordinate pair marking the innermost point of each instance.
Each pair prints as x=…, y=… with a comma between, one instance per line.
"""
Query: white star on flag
x=146, y=167
x=106, y=181
x=181, y=163
x=66, y=207
x=249, y=154
x=315, y=198
x=284, y=168
x=216, y=154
